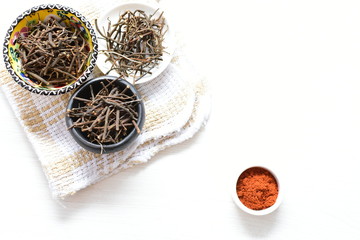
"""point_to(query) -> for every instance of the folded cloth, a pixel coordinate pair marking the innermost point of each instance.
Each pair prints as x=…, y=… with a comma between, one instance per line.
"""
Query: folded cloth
x=177, y=104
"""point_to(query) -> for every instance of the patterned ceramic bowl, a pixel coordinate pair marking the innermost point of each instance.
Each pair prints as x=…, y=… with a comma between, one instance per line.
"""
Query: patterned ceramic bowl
x=20, y=28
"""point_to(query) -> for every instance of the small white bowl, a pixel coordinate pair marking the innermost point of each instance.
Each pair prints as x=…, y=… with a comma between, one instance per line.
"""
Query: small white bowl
x=251, y=211
x=113, y=16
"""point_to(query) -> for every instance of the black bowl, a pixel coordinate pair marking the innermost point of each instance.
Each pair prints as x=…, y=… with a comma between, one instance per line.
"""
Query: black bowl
x=84, y=92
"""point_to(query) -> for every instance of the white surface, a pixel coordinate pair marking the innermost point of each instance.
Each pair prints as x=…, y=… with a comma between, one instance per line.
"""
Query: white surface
x=285, y=78
x=112, y=14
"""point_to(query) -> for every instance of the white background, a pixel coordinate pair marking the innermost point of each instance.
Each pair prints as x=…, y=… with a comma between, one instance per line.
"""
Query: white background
x=285, y=83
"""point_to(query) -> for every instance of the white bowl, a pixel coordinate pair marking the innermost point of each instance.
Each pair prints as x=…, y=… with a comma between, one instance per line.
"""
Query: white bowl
x=113, y=16
x=251, y=211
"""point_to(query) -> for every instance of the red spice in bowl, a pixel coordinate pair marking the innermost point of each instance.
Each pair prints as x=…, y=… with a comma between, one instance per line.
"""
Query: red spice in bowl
x=257, y=191
x=257, y=188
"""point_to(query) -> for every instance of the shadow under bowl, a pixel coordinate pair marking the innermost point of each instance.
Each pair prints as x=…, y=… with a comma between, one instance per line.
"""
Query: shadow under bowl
x=20, y=28
x=85, y=92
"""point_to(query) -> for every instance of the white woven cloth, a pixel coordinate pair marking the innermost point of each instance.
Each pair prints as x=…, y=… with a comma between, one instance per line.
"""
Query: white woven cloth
x=177, y=104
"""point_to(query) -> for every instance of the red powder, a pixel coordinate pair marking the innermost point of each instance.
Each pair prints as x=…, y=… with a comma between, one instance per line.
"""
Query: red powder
x=257, y=188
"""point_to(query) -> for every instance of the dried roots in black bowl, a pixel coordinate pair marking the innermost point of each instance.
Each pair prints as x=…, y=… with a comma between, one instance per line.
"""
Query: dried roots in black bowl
x=106, y=113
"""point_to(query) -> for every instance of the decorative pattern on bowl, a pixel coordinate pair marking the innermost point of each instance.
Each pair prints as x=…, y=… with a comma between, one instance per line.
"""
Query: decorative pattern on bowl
x=20, y=27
